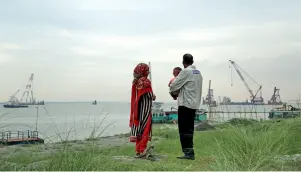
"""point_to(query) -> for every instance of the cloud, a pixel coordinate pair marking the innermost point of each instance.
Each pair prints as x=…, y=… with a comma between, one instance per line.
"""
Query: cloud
x=4, y=58
x=247, y=41
x=9, y=46
x=113, y=5
x=5, y=49
x=81, y=48
x=65, y=33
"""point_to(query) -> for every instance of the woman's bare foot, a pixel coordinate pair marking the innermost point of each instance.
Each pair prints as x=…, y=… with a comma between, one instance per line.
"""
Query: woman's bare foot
x=140, y=155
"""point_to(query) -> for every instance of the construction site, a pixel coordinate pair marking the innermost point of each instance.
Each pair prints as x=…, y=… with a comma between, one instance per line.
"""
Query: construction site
x=255, y=96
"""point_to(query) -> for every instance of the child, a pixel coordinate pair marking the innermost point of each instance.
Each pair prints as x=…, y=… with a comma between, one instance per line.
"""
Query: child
x=176, y=72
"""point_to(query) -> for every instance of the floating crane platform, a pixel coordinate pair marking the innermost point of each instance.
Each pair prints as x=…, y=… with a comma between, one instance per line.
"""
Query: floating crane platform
x=26, y=99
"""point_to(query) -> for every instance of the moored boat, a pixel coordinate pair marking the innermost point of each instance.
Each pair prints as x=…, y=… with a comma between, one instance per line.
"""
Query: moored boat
x=172, y=116
x=287, y=111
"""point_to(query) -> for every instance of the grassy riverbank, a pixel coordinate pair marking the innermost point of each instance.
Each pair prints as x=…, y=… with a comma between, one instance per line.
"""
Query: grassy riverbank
x=250, y=146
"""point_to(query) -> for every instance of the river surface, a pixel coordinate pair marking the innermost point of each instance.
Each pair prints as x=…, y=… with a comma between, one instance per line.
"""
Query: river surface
x=69, y=121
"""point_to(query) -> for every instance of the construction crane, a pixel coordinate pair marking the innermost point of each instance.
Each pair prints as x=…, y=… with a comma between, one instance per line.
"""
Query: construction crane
x=253, y=97
x=13, y=97
x=275, y=99
x=209, y=98
x=28, y=90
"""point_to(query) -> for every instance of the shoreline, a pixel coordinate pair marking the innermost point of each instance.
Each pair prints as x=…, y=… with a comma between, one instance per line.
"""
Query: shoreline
x=240, y=145
x=200, y=126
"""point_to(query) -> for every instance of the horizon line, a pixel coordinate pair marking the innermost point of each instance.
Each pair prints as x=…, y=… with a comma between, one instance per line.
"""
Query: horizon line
x=1, y=102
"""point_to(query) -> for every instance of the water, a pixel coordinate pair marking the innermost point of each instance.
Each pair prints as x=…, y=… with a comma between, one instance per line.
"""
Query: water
x=70, y=121
x=76, y=121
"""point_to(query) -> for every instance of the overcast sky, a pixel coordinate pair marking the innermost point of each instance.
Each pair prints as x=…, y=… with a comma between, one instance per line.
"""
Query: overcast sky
x=81, y=50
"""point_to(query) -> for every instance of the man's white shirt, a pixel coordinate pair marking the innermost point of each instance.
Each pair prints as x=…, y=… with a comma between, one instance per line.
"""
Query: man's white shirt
x=189, y=82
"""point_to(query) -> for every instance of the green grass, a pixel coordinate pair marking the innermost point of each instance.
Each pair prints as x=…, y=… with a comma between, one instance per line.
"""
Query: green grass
x=232, y=147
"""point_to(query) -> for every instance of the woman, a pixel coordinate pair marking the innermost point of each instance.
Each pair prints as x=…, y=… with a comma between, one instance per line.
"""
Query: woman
x=141, y=104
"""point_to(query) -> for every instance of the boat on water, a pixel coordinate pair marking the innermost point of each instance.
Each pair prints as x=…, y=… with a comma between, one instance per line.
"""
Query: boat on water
x=94, y=102
x=26, y=99
x=161, y=116
x=14, y=103
x=287, y=111
x=14, y=106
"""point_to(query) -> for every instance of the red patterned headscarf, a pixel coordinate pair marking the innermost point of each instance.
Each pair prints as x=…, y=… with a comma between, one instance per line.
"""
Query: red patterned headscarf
x=141, y=72
x=141, y=85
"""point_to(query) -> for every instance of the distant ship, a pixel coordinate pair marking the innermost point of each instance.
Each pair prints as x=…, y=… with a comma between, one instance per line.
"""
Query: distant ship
x=94, y=102
x=14, y=102
x=227, y=101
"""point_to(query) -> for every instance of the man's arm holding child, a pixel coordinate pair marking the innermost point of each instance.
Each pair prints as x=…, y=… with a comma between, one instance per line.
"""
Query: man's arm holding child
x=179, y=81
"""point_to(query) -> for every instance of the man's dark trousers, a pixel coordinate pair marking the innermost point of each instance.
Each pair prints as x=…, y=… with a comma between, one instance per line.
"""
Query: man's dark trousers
x=186, y=129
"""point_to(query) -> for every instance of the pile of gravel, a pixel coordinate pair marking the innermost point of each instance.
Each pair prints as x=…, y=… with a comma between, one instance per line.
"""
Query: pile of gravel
x=203, y=126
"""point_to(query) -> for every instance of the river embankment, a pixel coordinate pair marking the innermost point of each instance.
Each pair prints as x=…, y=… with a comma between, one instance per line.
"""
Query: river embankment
x=240, y=145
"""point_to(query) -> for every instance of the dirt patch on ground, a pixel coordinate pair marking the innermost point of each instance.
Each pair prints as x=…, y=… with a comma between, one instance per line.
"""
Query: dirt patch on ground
x=203, y=126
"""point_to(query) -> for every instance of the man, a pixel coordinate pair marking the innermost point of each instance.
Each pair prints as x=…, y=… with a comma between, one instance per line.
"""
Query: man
x=189, y=82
